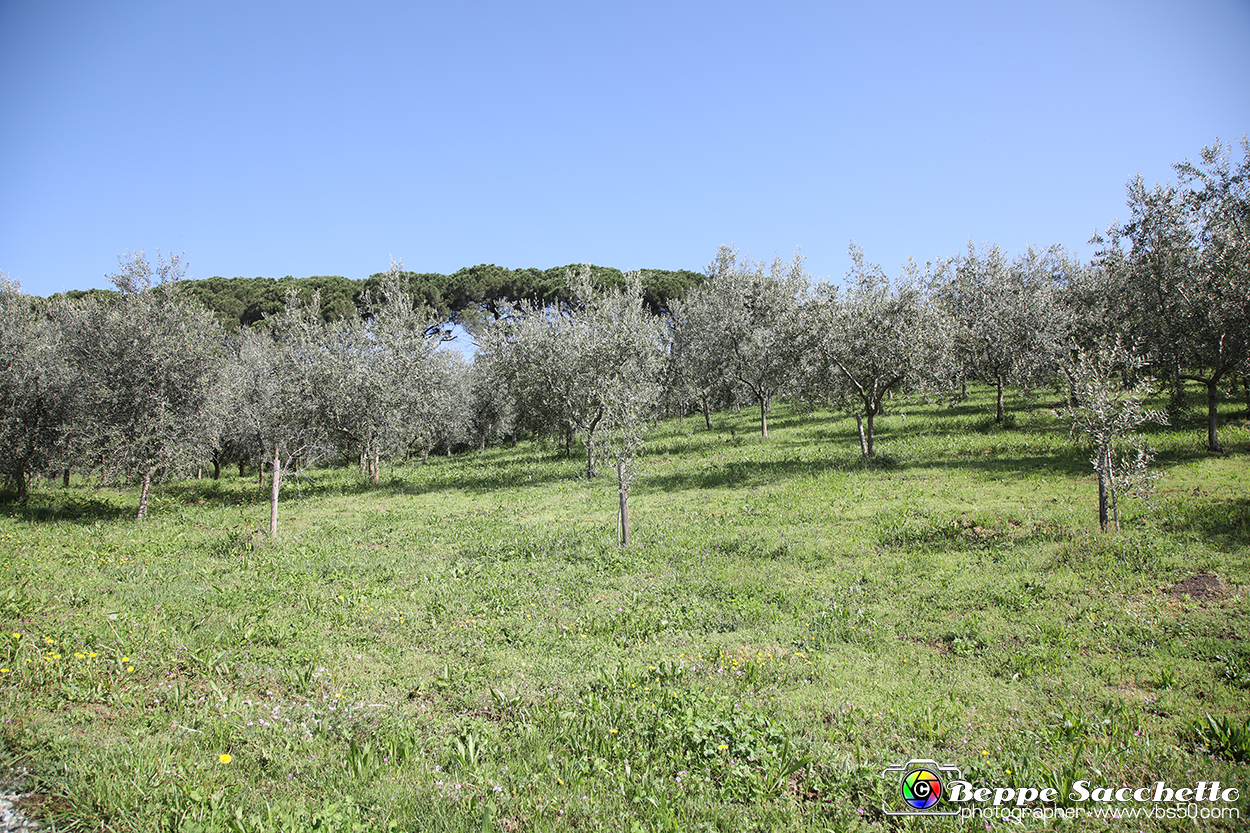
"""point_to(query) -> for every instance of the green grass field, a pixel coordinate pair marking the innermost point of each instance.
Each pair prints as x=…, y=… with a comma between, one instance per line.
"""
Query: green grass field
x=464, y=647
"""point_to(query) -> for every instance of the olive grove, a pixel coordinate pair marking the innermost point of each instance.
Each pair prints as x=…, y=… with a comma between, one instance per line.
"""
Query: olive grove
x=142, y=383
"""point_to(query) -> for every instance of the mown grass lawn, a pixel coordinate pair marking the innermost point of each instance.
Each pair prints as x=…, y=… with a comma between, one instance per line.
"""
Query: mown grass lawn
x=464, y=647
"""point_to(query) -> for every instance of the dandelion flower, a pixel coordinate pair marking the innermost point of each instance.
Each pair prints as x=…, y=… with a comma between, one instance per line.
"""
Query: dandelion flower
x=225, y=759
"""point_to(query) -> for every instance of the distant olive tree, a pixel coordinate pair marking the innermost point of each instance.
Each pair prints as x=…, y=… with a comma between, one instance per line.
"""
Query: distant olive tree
x=1009, y=323
x=445, y=410
x=874, y=339
x=741, y=326
x=492, y=406
x=560, y=361
x=697, y=370
x=592, y=365
x=530, y=353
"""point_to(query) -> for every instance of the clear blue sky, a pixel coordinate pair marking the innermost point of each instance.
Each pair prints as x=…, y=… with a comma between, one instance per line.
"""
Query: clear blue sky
x=311, y=138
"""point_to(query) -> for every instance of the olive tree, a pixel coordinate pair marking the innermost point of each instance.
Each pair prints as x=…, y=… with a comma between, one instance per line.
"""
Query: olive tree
x=592, y=365
x=697, y=370
x=491, y=404
x=561, y=361
x=274, y=395
x=37, y=393
x=629, y=345
x=1009, y=325
x=374, y=378
x=442, y=414
x=149, y=364
x=877, y=338
x=534, y=353
x=741, y=324
x=1108, y=413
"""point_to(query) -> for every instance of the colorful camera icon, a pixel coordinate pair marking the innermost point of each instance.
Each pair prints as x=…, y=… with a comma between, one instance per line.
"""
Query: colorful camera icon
x=917, y=788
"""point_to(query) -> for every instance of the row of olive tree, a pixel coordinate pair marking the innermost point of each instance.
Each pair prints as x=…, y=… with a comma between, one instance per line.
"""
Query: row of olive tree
x=128, y=386
x=1179, y=271
x=144, y=384
x=1173, y=284
x=753, y=331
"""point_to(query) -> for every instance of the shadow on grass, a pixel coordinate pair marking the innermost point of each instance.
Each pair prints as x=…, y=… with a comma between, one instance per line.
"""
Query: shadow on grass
x=989, y=463
x=167, y=498
x=327, y=482
x=1003, y=454
x=45, y=507
x=1225, y=522
x=733, y=473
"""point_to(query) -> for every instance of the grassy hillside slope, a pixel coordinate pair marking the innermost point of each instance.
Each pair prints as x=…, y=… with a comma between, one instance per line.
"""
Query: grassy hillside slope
x=464, y=647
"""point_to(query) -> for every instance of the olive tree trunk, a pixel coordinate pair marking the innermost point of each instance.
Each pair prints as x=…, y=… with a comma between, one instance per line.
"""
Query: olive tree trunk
x=274, y=487
x=623, y=514
x=143, y=495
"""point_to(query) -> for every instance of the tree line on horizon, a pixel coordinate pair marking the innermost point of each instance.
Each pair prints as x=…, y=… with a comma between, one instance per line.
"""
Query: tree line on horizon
x=461, y=297
x=146, y=382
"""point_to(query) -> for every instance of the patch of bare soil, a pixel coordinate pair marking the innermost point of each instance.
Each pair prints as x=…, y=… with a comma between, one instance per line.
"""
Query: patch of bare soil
x=1206, y=587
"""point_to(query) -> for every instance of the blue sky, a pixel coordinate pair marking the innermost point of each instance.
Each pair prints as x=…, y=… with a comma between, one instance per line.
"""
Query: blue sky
x=311, y=138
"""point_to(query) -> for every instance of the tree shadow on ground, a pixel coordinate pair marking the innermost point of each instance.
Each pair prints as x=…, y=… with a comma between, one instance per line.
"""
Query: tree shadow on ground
x=311, y=483
x=230, y=491
x=1225, y=522
x=717, y=474
x=989, y=463
x=45, y=508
